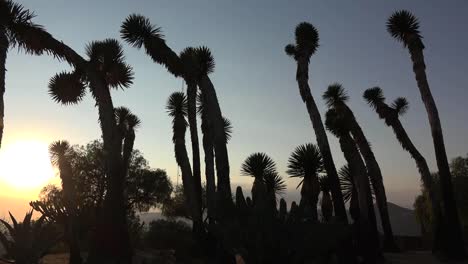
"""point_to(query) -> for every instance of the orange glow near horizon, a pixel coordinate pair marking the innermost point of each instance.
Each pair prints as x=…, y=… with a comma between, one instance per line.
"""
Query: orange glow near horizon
x=25, y=168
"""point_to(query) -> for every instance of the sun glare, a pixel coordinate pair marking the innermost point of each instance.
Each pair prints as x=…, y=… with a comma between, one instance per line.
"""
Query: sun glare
x=25, y=165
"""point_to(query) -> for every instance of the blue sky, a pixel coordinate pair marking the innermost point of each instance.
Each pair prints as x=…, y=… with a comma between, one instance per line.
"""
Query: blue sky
x=255, y=80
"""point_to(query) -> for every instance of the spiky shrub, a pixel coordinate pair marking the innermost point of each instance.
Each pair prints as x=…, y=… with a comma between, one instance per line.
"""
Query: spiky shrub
x=28, y=241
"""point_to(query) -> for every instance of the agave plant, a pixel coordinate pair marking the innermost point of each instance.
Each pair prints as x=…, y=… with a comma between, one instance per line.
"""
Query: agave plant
x=28, y=241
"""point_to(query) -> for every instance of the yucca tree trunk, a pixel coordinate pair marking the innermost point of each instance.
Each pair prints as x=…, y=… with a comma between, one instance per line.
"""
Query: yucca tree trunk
x=454, y=245
x=224, y=203
x=376, y=180
x=302, y=77
x=129, y=141
x=192, y=120
x=424, y=171
x=369, y=240
x=209, y=166
x=309, y=198
x=112, y=241
x=3, y=56
x=179, y=128
x=327, y=207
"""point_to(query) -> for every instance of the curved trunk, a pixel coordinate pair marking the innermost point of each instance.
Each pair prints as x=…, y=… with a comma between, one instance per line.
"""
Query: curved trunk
x=454, y=245
x=112, y=241
x=327, y=207
x=302, y=77
x=209, y=166
x=376, y=180
x=391, y=119
x=368, y=233
x=224, y=195
x=3, y=56
x=179, y=128
x=192, y=120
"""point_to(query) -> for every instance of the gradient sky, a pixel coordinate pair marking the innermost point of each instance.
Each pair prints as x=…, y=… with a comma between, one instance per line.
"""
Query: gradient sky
x=255, y=80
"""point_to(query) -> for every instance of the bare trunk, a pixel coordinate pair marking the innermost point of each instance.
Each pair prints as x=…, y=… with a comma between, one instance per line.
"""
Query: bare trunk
x=129, y=141
x=368, y=234
x=309, y=198
x=455, y=244
x=3, y=56
x=426, y=177
x=224, y=195
x=112, y=240
x=192, y=120
x=376, y=180
x=327, y=207
x=209, y=166
x=302, y=77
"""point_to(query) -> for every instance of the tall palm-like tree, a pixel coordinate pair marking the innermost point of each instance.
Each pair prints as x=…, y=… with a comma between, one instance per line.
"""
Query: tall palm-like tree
x=258, y=165
x=306, y=162
x=404, y=27
x=307, y=39
x=138, y=31
x=368, y=237
x=390, y=114
x=105, y=69
x=336, y=97
x=274, y=185
x=127, y=122
x=15, y=21
x=177, y=109
x=326, y=203
x=59, y=152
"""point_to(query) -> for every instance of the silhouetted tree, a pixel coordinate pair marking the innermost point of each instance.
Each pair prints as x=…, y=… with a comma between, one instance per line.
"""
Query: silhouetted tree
x=177, y=108
x=326, y=203
x=349, y=191
x=307, y=39
x=306, y=162
x=390, y=114
x=368, y=235
x=59, y=152
x=404, y=27
x=336, y=97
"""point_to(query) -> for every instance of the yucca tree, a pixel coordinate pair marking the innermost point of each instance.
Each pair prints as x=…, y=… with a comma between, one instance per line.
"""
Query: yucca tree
x=326, y=203
x=138, y=31
x=349, y=191
x=404, y=27
x=390, y=114
x=59, y=153
x=275, y=186
x=307, y=42
x=368, y=235
x=28, y=241
x=336, y=97
x=258, y=165
x=105, y=69
x=15, y=20
x=177, y=109
x=306, y=162
x=127, y=122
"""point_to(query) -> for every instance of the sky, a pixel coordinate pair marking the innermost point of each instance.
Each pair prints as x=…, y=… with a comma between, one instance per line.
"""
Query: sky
x=254, y=79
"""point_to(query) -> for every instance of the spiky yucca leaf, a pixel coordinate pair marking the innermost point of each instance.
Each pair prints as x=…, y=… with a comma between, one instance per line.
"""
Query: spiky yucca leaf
x=374, y=96
x=346, y=182
x=324, y=182
x=137, y=28
x=205, y=60
x=401, y=105
x=307, y=38
x=58, y=149
x=227, y=128
x=274, y=183
x=335, y=94
x=335, y=123
x=258, y=165
x=67, y=88
x=305, y=161
x=133, y=121
x=402, y=24
x=121, y=115
x=177, y=104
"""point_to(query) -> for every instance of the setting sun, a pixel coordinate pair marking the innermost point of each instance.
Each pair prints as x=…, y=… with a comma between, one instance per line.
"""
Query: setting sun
x=25, y=165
